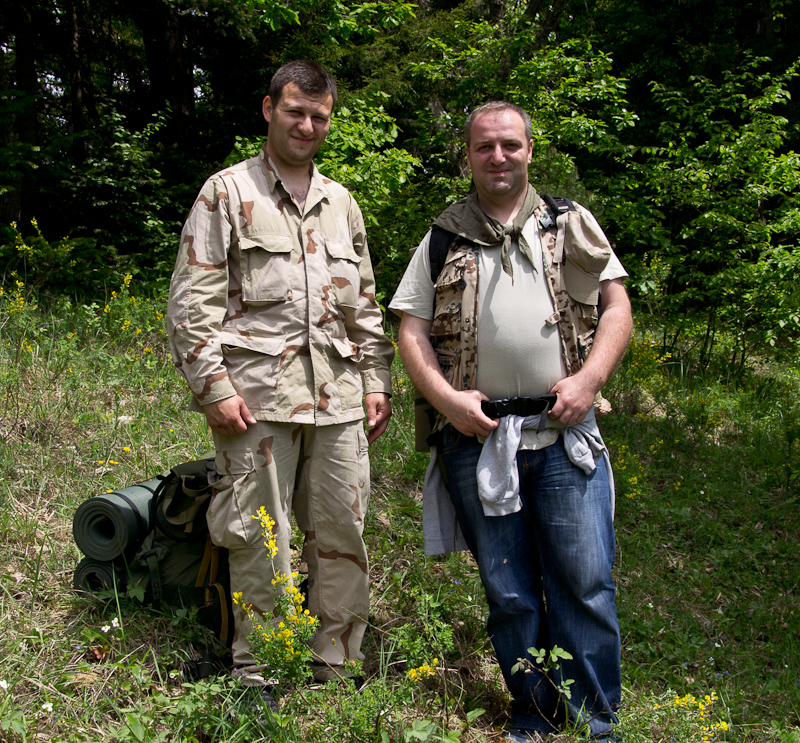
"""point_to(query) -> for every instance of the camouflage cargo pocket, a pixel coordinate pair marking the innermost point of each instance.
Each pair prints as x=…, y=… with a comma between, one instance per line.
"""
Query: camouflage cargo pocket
x=235, y=487
x=254, y=363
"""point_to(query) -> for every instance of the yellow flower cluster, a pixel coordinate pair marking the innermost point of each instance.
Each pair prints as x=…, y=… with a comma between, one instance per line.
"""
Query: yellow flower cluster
x=643, y=361
x=267, y=525
x=626, y=461
x=16, y=301
x=690, y=700
x=282, y=646
x=703, y=705
x=424, y=671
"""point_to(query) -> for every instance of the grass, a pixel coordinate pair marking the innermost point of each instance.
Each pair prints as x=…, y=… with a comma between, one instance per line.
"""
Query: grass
x=708, y=535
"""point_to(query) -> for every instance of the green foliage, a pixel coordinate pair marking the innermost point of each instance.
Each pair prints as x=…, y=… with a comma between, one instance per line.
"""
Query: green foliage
x=119, y=196
x=340, y=20
x=426, y=632
x=69, y=265
x=714, y=204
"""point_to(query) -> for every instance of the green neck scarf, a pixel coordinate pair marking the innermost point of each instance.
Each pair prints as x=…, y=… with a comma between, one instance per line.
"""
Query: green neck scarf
x=466, y=219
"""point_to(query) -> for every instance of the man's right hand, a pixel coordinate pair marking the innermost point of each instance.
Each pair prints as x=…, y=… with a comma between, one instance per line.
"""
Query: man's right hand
x=463, y=410
x=228, y=417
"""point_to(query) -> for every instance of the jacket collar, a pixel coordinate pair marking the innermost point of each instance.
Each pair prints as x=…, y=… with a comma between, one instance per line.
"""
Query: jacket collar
x=317, y=191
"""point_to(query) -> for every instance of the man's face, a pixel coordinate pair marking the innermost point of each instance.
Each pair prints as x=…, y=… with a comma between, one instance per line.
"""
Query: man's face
x=298, y=125
x=498, y=155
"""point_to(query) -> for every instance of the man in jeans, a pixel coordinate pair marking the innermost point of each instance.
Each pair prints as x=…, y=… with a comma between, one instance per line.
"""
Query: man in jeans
x=526, y=299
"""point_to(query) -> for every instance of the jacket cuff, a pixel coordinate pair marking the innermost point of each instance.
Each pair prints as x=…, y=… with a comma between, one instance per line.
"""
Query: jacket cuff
x=215, y=390
x=377, y=380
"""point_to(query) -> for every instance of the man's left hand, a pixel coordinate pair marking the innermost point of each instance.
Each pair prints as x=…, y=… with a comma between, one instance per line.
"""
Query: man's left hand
x=379, y=411
x=575, y=399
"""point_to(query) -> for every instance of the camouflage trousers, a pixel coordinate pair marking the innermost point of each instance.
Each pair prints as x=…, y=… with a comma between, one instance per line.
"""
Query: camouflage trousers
x=321, y=473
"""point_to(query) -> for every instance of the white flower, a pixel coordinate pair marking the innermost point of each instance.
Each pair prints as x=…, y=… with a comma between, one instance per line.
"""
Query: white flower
x=47, y=707
x=105, y=627
x=115, y=622
x=3, y=684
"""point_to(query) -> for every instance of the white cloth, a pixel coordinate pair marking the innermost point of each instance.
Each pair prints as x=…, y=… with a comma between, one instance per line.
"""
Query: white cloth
x=440, y=528
x=498, y=477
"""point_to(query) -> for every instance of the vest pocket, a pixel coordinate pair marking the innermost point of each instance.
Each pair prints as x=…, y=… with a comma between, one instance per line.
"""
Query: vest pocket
x=449, y=361
x=585, y=341
x=447, y=313
x=266, y=263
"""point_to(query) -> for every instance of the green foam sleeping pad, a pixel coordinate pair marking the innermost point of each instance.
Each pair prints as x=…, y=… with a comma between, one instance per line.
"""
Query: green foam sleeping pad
x=111, y=525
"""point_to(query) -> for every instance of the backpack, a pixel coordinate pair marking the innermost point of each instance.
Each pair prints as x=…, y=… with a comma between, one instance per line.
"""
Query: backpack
x=174, y=559
x=177, y=562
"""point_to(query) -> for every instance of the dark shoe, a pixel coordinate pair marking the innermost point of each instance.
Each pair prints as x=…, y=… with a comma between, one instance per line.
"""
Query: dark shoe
x=268, y=697
x=260, y=701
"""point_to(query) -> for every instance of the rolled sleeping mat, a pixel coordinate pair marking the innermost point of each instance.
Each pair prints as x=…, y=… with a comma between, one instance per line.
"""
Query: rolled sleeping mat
x=92, y=576
x=114, y=524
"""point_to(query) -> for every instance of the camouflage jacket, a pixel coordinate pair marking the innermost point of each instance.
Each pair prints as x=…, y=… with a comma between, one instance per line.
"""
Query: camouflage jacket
x=569, y=239
x=277, y=304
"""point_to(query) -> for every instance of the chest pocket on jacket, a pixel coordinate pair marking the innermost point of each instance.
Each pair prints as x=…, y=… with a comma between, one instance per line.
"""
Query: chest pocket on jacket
x=343, y=264
x=266, y=264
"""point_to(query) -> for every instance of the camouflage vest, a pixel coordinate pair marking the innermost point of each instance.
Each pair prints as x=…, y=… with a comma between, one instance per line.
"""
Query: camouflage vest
x=454, y=330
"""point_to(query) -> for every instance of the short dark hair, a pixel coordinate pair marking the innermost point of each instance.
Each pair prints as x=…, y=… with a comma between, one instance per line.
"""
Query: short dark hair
x=497, y=106
x=311, y=77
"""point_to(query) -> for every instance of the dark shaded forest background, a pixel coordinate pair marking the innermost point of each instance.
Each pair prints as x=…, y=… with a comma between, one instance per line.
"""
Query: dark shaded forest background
x=676, y=122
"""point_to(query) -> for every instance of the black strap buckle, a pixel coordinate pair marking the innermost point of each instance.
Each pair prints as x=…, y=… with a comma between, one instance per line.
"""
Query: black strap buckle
x=521, y=406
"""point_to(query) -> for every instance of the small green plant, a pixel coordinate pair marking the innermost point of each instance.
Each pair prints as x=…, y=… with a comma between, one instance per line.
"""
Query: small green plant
x=72, y=264
x=282, y=645
x=546, y=661
x=427, y=632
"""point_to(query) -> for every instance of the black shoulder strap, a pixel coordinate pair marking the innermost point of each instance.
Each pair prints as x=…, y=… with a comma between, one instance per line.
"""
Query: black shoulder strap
x=438, y=246
x=558, y=204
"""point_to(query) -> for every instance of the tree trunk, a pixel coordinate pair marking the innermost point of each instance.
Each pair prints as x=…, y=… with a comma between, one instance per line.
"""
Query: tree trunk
x=17, y=204
x=169, y=66
x=76, y=87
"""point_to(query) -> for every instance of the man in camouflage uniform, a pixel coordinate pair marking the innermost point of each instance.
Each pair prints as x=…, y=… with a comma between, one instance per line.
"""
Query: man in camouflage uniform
x=273, y=322
x=522, y=295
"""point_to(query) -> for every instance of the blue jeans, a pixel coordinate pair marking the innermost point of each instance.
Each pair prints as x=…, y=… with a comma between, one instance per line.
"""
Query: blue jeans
x=546, y=571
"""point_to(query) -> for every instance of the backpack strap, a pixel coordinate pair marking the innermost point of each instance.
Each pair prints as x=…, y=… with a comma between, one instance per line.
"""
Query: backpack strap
x=438, y=247
x=209, y=567
x=188, y=486
x=558, y=204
